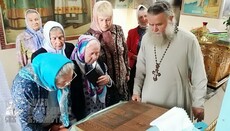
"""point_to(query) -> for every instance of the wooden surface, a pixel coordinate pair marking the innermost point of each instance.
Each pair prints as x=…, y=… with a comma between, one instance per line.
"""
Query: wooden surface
x=127, y=116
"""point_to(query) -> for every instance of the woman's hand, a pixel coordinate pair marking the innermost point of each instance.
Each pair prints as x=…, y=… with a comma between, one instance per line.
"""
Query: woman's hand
x=127, y=78
x=58, y=127
x=103, y=80
x=134, y=57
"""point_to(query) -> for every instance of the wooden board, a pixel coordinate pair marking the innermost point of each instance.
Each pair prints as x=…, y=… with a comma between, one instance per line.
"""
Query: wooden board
x=131, y=115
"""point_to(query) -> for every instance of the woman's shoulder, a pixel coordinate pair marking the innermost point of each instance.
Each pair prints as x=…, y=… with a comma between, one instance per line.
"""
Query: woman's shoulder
x=117, y=26
x=37, y=52
x=24, y=35
x=20, y=83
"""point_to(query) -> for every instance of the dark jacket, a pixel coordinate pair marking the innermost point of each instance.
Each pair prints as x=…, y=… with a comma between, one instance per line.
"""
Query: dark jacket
x=77, y=93
x=68, y=51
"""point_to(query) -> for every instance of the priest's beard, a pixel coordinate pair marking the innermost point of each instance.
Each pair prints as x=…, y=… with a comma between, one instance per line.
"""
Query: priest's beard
x=160, y=39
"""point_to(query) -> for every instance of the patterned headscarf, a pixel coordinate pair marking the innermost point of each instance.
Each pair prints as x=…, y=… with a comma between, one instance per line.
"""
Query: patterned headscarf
x=79, y=50
x=37, y=35
x=47, y=43
x=79, y=55
x=46, y=67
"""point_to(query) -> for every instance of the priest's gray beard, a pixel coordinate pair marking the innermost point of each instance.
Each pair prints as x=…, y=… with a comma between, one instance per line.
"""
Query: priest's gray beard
x=162, y=38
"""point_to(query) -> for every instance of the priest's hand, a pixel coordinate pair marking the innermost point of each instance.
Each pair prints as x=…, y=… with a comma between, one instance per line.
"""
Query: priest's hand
x=198, y=113
x=136, y=97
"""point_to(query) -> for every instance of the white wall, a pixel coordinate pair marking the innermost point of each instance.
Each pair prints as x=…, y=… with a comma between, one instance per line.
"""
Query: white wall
x=125, y=18
x=190, y=22
x=10, y=64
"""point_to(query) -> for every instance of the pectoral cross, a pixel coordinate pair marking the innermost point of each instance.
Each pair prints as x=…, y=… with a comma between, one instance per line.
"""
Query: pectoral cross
x=156, y=72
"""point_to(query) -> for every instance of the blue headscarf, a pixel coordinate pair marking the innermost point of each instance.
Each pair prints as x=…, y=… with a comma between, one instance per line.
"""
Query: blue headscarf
x=79, y=55
x=46, y=67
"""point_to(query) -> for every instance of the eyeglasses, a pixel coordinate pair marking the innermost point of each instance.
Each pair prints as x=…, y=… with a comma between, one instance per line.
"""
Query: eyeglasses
x=68, y=83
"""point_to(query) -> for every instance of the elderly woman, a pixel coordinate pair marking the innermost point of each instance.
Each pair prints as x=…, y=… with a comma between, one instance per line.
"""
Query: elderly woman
x=134, y=42
x=29, y=40
x=88, y=97
x=113, y=52
x=54, y=40
x=40, y=92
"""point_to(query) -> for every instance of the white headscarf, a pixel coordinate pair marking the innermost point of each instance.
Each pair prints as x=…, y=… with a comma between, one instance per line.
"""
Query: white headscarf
x=138, y=10
x=47, y=43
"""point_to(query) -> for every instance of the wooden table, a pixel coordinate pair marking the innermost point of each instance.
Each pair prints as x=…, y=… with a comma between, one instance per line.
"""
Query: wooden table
x=125, y=116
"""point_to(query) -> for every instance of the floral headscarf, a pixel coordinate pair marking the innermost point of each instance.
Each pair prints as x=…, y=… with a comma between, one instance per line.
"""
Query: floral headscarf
x=46, y=67
x=37, y=35
x=79, y=55
x=47, y=43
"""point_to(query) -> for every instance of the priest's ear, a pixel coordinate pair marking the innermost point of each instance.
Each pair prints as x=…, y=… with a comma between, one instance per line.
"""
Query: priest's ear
x=171, y=18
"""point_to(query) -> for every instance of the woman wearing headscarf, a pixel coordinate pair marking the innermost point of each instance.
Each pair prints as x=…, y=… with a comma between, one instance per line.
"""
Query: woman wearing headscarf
x=88, y=96
x=113, y=52
x=134, y=42
x=31, y=39
x=54, y=41
x=40, y=91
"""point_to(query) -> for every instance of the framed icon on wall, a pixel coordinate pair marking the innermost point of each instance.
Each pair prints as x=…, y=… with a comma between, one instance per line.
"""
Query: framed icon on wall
x=203, y=8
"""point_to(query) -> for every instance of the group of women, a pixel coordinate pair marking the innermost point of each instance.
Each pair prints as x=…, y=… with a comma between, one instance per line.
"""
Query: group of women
x=49, y=66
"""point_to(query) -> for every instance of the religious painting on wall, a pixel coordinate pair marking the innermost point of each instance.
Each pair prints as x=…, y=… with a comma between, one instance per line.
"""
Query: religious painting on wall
x=176, y=4
x=129, y=4
x=204, y=8
x=74, y=15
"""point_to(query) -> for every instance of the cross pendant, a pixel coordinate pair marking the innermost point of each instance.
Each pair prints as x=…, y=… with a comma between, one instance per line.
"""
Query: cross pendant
x=156, y=72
